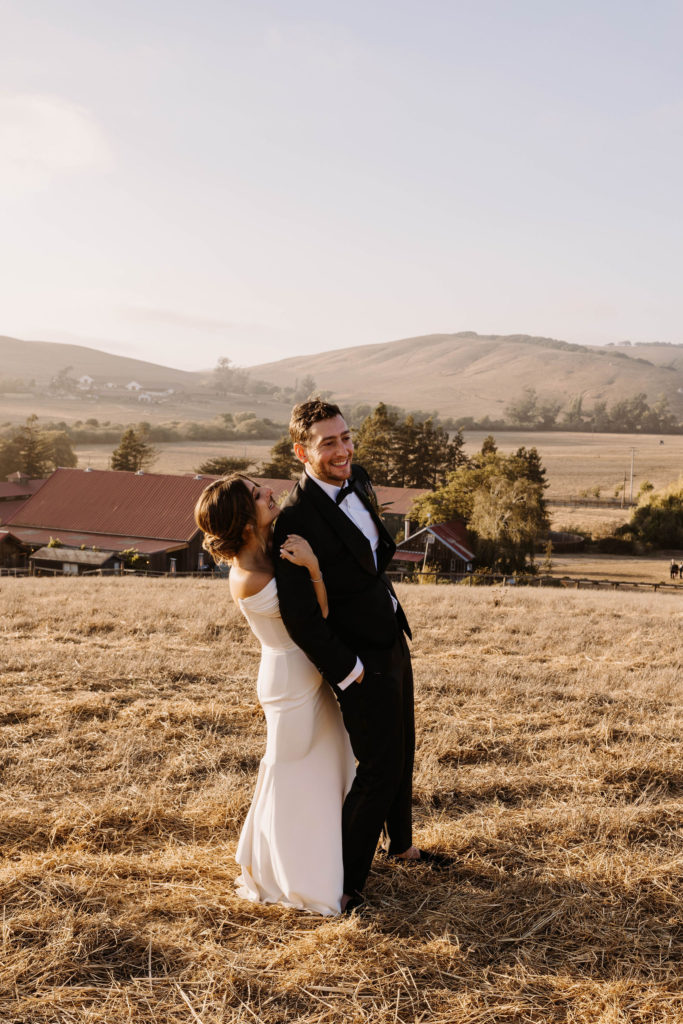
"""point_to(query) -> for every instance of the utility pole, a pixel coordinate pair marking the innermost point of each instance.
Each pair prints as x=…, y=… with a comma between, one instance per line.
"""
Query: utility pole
x=633, y=454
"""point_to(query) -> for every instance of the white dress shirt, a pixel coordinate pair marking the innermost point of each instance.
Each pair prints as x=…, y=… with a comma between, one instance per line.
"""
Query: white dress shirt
x=355, y=510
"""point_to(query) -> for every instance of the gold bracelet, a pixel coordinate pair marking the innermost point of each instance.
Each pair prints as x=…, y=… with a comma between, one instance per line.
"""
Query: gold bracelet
x=316, y=581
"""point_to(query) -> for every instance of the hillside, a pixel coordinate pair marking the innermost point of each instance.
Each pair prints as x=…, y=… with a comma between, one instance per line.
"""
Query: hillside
x=42, y=360
x=463, y=374
x=36, y=363
x=468, y=374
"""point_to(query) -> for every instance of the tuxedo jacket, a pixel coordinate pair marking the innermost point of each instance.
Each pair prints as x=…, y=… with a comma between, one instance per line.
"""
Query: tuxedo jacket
x=362, y=621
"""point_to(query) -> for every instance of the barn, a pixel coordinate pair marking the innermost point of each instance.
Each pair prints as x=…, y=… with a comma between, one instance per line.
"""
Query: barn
x=445, y=547
x=112, y=512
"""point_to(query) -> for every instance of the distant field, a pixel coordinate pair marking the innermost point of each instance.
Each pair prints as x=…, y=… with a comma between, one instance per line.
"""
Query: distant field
x=182, y=457
x=574, y=462
x=598, y=522
x=548, y=766
x=581, y=461
x=645, y=569
x=195, y=406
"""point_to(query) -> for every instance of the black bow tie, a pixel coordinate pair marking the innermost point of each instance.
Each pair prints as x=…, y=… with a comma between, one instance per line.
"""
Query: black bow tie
x=344, y=492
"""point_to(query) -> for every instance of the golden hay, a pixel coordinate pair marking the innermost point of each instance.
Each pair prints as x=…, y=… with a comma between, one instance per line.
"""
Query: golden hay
x=549, y=766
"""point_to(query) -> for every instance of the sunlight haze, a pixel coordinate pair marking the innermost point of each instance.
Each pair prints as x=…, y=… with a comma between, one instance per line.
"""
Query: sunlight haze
x=261, y=180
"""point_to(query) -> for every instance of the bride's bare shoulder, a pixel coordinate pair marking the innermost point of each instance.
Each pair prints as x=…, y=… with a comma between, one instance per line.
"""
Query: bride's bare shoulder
x=247, y=582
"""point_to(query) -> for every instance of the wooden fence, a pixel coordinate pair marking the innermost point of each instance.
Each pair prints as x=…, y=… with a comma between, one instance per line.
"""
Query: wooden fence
x=461, y=579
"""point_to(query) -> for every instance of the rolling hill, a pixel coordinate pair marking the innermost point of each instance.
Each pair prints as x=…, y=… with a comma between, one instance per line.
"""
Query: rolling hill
x=42, y=360
x=464, y=374
x=467, y=374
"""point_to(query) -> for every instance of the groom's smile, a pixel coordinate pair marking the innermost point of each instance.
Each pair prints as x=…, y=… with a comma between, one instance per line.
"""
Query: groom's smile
x=328, y=451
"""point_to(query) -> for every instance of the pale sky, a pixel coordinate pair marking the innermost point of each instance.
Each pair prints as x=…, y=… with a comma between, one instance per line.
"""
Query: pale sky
x=260, y=179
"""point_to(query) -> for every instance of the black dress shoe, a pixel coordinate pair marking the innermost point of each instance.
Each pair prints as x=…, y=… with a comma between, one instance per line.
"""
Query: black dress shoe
x=427, y=858
x=355, y=903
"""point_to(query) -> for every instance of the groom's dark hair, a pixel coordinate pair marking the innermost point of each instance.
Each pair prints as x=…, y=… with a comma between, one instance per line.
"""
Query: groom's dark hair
x=305, y=414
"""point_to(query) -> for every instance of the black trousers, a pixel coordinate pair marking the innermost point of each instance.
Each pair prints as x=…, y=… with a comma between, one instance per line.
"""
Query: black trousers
x=379, y=716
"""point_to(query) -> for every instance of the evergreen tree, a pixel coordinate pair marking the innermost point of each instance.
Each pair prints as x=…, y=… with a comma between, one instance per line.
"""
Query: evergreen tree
x=134, y=452
x=283, y=464
x=374, y=445
x=403, y=460
x=35, y=452
x=223, y=465
x=34, y=449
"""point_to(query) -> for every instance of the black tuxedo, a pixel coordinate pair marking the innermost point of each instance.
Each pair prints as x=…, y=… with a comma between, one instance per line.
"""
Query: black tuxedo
x=378, y=712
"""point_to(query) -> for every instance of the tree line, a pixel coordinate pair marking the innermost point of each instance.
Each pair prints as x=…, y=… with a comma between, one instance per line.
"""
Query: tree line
x=531, y=411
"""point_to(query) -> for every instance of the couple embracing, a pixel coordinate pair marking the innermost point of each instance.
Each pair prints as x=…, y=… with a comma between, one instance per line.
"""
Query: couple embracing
x=310, y=579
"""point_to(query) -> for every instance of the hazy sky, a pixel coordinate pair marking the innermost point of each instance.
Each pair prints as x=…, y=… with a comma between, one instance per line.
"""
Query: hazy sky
x=257, y=179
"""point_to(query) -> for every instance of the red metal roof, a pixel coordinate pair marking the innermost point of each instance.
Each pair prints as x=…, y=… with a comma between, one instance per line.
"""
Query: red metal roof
x=150, y=505
x=408, y=556
x=399, y=500
x=13, y=490
x=33, y=537
x=453, y=535
x=10, y=508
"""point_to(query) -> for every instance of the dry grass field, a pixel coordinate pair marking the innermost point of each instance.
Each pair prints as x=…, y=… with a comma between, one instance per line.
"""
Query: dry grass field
x=181, y=457
x=549, y=766
x=577, y=461
x=619, y=568
x=574, y=461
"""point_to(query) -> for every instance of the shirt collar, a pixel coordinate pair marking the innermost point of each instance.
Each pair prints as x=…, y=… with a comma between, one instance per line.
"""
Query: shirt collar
x=330, y=490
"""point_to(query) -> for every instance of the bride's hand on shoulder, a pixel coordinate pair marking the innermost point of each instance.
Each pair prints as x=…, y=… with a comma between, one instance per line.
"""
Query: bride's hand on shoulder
x=297, y=550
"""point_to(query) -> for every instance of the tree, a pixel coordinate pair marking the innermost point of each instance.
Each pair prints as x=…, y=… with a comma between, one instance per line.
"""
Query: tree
x=522, y=412
x=529, y=411
x=226, y=377
x=406, y=451
x=573, y=417
x=223, y=465
x=374, y=444
x=283, y=464
x=134, y=452
x=658, y=520
x=34, y=449
x=35, y=452
x=508, y=516
x=61, y=450
x=304, y=388
x=500, y=497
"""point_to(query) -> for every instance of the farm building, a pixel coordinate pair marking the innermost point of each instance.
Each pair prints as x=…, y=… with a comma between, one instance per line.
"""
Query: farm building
x=445, y=547
x=396, y=503
x=115, y=511
x=13, y=554
x=71, y=561
x=15, y=493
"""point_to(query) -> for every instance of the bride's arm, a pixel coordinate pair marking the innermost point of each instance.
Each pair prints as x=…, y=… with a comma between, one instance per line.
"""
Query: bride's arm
x=297, y=550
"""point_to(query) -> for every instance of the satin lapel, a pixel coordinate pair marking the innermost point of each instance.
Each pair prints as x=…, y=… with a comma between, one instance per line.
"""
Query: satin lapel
x=386, y=547
x=340, y=523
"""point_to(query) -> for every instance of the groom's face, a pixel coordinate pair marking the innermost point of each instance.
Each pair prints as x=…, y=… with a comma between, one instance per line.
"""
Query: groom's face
x=328, y=451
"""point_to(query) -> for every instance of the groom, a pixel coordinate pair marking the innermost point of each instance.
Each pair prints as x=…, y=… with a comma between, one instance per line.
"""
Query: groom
x=360, y=649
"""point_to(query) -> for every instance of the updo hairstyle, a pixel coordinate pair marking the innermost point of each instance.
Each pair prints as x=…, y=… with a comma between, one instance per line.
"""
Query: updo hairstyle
x=224, y=508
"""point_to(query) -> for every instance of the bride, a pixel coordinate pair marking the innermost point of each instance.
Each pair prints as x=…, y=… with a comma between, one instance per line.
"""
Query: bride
x=290, y=848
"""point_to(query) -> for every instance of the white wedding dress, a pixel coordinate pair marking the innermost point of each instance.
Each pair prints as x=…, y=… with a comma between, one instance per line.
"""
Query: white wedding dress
x=290, y=846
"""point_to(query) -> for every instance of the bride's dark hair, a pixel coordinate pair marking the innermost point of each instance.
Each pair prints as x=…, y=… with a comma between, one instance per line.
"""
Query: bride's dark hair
x=223, y=511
